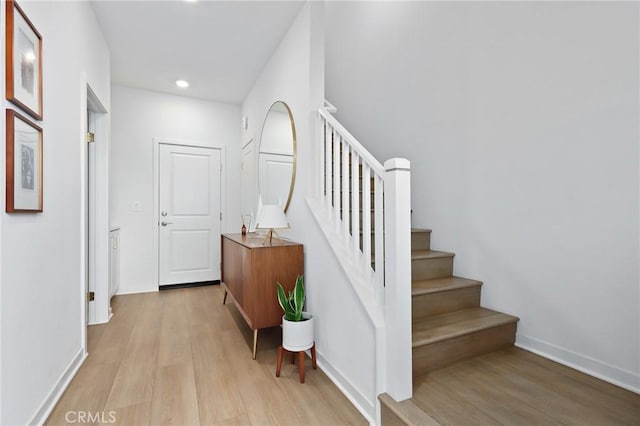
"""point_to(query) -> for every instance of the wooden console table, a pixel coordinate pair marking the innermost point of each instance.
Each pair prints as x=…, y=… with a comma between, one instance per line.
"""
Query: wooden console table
x=250, y=272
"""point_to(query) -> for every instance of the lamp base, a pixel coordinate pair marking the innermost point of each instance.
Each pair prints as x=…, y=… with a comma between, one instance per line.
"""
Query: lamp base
x=269, y=237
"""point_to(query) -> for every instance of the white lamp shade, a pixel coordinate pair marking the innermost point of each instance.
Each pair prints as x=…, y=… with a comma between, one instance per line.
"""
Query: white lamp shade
x=271, y=216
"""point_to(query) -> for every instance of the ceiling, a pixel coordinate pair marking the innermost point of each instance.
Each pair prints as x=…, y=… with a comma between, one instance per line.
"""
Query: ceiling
x=219, y=47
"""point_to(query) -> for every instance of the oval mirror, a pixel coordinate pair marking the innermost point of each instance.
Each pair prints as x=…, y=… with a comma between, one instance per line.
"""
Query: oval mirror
x=277, y=156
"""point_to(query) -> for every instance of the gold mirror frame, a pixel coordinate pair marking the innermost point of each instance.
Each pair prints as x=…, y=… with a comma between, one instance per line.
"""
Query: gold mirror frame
x=294, y=148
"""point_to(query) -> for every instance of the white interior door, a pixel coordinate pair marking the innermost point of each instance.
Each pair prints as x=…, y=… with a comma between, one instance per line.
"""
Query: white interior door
x=275, y=177
x=189, y=214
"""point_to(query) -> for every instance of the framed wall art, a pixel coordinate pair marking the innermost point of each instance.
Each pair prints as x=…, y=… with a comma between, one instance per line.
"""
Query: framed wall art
x=24, y=164
x=23, y=61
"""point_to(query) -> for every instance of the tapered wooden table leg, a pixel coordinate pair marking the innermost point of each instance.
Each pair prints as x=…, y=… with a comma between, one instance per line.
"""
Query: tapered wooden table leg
x=313, y=356
x=301, y=365
x=224, y=301
x=255, y=342
x=279, y=366
x=301, y=356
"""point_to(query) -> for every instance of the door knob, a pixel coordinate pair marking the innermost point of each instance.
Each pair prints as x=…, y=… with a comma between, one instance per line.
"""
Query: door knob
x=163, y=223
x=163, y=213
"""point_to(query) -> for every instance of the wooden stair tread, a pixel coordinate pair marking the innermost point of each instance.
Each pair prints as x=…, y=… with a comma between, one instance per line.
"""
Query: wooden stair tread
x=420, y=230
x=436, y=285
x=429, y=254
x=447, y=326
x=407, y=412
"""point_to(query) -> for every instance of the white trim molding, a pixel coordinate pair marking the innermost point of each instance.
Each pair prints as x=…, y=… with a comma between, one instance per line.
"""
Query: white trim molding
x=593, y=367
x=56, y=392
x=98, y=250
x=360, y=401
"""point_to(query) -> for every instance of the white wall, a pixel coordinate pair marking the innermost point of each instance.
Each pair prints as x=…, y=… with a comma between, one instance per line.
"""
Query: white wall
x=41, y=305
x=138, y=116
x=295, y=75
x=521, y=124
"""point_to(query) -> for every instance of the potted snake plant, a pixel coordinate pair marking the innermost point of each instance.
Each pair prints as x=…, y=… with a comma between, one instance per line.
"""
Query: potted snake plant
x=297, y=325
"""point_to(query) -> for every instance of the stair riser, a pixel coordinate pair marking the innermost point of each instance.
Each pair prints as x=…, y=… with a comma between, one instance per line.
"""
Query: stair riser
x=420, y=241
x=404, y=413
x=389, y=418
x=426, y=305
x=426, y=269
x=431, y=357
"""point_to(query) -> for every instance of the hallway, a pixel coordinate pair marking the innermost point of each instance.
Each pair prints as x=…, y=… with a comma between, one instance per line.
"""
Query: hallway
x=181, y=357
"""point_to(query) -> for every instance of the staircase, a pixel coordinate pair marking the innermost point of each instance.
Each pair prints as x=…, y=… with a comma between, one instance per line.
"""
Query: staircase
x=423, y=317
x=449, y=324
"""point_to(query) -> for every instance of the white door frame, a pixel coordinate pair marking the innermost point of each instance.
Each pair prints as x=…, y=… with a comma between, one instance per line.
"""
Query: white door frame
x=156, y=192
x=98, y=251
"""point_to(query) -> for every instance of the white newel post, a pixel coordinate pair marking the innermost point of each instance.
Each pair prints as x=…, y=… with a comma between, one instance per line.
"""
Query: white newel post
x=397, y=238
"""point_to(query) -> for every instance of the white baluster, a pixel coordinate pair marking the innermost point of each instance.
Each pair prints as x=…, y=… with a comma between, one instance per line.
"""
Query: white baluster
x=378, y=227
x=355, y=202
x=322, y=123
x=345, y=190
x=366, y=215
x=336, y=178
x=328, y=172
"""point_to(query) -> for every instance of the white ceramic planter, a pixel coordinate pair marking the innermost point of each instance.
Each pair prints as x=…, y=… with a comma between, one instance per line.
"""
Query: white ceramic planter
x=298, y=335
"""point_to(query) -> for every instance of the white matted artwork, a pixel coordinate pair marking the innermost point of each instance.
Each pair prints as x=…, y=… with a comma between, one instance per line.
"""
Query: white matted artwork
x=24, y=164
x=23, y=61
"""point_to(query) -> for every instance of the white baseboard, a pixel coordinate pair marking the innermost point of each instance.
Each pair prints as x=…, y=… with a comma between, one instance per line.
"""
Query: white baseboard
x=585, y=364
x=54, y=395
x=102, y=322
x=362, y=404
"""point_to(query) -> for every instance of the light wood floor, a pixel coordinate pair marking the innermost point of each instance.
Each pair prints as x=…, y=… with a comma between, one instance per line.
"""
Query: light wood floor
x=181, y=357
x=516, y=387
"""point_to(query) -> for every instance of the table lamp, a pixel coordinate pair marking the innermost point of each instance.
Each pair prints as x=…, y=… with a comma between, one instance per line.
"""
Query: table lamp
x=271, y=217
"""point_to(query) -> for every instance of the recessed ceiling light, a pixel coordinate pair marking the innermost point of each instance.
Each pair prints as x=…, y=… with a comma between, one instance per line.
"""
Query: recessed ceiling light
x=182, y=84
